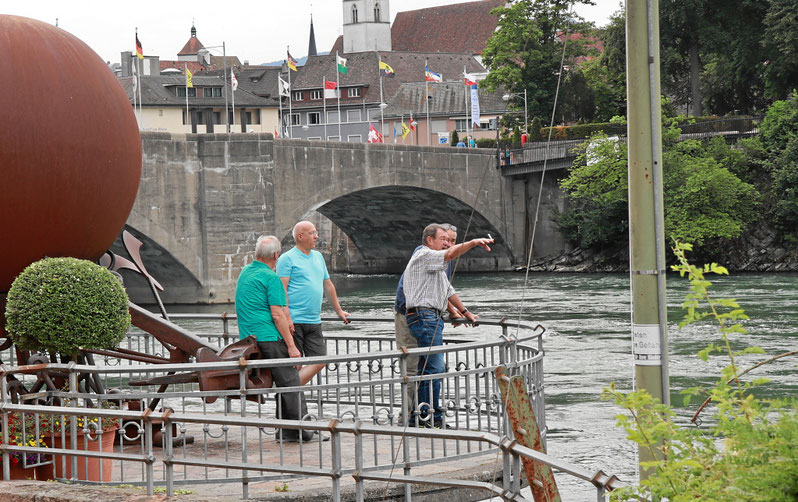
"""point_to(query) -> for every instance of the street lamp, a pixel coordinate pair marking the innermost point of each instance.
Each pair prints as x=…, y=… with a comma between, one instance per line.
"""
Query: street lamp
x=509, y=96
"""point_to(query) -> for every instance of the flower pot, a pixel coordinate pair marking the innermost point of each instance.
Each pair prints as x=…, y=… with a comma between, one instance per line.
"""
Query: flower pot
x=18, y=471
x=88, y=467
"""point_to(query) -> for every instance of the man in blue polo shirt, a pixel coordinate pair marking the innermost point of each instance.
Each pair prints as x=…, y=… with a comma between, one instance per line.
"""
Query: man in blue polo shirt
x=306, y=280
x=260, y=299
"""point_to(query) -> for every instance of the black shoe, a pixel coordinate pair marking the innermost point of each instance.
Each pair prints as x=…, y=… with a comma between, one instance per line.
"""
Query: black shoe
x=292, y=436
x=440, y=424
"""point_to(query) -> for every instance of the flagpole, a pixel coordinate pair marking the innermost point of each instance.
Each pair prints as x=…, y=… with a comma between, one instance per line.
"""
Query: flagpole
x=466, y=101
x=233, y=94
x=338, y=90
x=324, y=103
x=226, y=112
x=290, y=98
x=138, y=63
x=280, y=101
x=382, y=100
x=188, y=117
x=426, y=103
x=134, y=84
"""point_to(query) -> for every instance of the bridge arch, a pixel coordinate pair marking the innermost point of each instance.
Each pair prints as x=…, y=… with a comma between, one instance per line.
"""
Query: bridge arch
x=385, y=224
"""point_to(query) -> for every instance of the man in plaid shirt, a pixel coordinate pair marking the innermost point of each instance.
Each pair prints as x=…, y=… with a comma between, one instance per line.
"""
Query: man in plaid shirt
x=427, y=291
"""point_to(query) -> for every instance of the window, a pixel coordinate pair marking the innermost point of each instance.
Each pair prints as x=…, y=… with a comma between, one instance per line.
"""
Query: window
x=354, y=138
x=217, y=118
x=211, y=92
x=354, y=13
x=332, y=117
x=314, y=138
x=377, y=12
x=314, y=118
x=461, y=124
x=373, y=114
x=160, y=113
x=315, y=94
x=298, y=96
x=294, y=119
x=333, y=138
x=181, y=92
x=439, y=126
x=353, y=92
x=353, y=115
x=253, y=117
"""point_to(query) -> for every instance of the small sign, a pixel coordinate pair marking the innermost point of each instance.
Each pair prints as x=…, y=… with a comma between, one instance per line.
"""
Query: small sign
x=646, y=348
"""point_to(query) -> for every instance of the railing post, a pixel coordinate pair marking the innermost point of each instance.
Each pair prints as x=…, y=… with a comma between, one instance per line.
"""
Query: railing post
x=150, y=458
x=336, y=465
x=168, y=445
x=358, y=463
x=73, y=423
x=242, y=384
x=5, y=400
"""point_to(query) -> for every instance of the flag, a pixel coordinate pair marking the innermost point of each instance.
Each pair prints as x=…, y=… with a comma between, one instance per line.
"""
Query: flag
x=139, y=48
x=285, y=87
x=431, y=76
x=341, y=64
x=329, y=89
x=474, y=106
x=412, y=122
x=405, y=130
x=394, y=131
x=291, y=61
x=276, y=134
x=188, y=78
x=386, y=70
x=135, y=80
x=470, y=79
x=234, y=80
x=375, y=136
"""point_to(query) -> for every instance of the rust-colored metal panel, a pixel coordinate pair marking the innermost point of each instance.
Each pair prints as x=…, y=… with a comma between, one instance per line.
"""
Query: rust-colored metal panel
x=525, y=427
x=70, y=150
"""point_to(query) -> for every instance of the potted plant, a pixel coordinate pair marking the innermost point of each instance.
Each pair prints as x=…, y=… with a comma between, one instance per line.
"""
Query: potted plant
x=62, y=306
x=28, y=429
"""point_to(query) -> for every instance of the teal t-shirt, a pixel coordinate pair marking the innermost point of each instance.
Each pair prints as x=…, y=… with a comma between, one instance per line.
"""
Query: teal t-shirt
x=306, y=275
x=258, y=288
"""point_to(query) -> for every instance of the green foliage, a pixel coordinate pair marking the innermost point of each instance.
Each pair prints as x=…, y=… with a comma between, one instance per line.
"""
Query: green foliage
x=486, y=143
x=704, y=200
x=751, y=453
x=455, y=138
x=64, y=304
x=525, y=52
x=780, y=124
x=536, y=130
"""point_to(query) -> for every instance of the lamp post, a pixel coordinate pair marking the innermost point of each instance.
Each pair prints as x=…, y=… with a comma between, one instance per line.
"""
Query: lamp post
x=509, y=96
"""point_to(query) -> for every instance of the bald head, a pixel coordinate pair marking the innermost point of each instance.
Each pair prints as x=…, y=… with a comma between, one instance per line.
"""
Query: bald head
x=305, y=236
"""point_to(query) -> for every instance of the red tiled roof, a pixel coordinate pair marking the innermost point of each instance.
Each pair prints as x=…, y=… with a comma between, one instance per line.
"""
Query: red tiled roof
x=192, y=47
x=462, y=28
x=193, y=66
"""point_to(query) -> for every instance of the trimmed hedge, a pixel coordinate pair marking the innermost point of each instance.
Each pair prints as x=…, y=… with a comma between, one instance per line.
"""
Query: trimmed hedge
x=64, y=304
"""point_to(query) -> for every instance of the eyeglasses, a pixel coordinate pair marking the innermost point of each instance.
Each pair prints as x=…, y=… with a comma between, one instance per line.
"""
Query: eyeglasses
x=316, y=232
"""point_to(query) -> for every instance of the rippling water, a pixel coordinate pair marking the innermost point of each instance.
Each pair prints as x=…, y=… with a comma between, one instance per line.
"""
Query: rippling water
x=588, y=347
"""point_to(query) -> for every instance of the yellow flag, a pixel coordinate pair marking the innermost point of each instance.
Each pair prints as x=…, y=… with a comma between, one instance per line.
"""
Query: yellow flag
x=405, y=130
x=188, y=78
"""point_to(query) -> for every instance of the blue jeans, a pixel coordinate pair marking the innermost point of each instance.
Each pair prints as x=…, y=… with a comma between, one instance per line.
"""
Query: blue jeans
x=426, y=327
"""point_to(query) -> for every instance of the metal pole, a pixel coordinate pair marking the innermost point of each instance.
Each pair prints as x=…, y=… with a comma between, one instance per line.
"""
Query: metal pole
x=338, y=90
x=324, y=103
x=646, y=221
x=426, y=105
x=526, y=116
x=224, y=65
x=382, y=100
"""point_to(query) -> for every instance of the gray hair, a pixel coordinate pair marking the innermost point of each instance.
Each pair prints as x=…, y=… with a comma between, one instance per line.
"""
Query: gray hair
x=294, y=231
x=430, y=230
x=449, y=226
x=266, y=246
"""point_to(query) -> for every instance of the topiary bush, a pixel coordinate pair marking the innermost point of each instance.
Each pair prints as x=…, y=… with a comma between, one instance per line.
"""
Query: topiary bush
x=64, y=304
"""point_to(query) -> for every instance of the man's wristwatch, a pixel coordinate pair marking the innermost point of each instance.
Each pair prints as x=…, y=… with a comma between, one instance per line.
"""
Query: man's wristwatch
x=464, y=310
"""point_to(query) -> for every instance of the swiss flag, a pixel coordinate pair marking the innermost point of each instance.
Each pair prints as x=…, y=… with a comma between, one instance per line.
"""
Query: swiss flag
x=374, y=135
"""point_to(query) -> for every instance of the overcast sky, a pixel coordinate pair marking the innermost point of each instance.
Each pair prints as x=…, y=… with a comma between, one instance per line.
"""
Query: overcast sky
x=257, y=32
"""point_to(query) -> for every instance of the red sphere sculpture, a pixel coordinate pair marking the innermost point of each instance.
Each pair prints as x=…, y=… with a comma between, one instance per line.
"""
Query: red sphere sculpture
x=70, y=150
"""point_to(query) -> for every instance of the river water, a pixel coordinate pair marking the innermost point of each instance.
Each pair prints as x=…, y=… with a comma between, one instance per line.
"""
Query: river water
x=588, y=346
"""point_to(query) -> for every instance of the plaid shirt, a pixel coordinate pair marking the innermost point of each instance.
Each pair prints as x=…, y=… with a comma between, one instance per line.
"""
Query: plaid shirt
x=426, y=283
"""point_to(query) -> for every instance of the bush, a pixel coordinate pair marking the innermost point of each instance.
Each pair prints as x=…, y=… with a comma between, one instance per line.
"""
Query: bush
x=486, y=143
x=65, y=304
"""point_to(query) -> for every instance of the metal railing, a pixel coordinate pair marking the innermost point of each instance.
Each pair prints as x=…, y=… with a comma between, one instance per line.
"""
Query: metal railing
x=357, y=399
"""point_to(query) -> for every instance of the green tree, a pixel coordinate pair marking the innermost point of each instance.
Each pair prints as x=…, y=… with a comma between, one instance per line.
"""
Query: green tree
x=781, y=46
x=525, y=50
x=704, y=200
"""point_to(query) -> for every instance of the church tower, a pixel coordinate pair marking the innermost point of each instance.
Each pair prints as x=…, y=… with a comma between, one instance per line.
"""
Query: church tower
x=367, y=25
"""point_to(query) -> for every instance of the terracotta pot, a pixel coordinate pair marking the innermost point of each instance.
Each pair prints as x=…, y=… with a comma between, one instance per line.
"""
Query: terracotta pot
x=18, y=471
x=88, y=467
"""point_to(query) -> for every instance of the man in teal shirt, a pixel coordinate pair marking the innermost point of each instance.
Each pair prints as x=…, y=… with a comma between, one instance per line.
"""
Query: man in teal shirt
x=304, y=275
x=260, y=299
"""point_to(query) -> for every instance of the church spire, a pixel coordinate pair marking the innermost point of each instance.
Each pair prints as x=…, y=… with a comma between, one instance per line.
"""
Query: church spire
x=312, y=41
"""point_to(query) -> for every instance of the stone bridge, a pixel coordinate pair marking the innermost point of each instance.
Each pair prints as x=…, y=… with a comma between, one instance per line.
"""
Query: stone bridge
x=204, y=200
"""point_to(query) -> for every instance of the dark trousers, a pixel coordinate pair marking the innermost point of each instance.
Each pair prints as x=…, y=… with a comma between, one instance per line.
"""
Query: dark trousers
x=290, y=405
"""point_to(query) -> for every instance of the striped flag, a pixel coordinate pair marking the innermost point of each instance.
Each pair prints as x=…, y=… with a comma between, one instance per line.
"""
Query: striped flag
x=139, y=48
x=431, y=76
x=291, y=61
x=470, y=79
x=329, y=89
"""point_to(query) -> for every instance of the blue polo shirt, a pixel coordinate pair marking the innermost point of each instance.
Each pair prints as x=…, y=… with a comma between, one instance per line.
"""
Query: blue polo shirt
x=306, y=274
x=258, y=288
